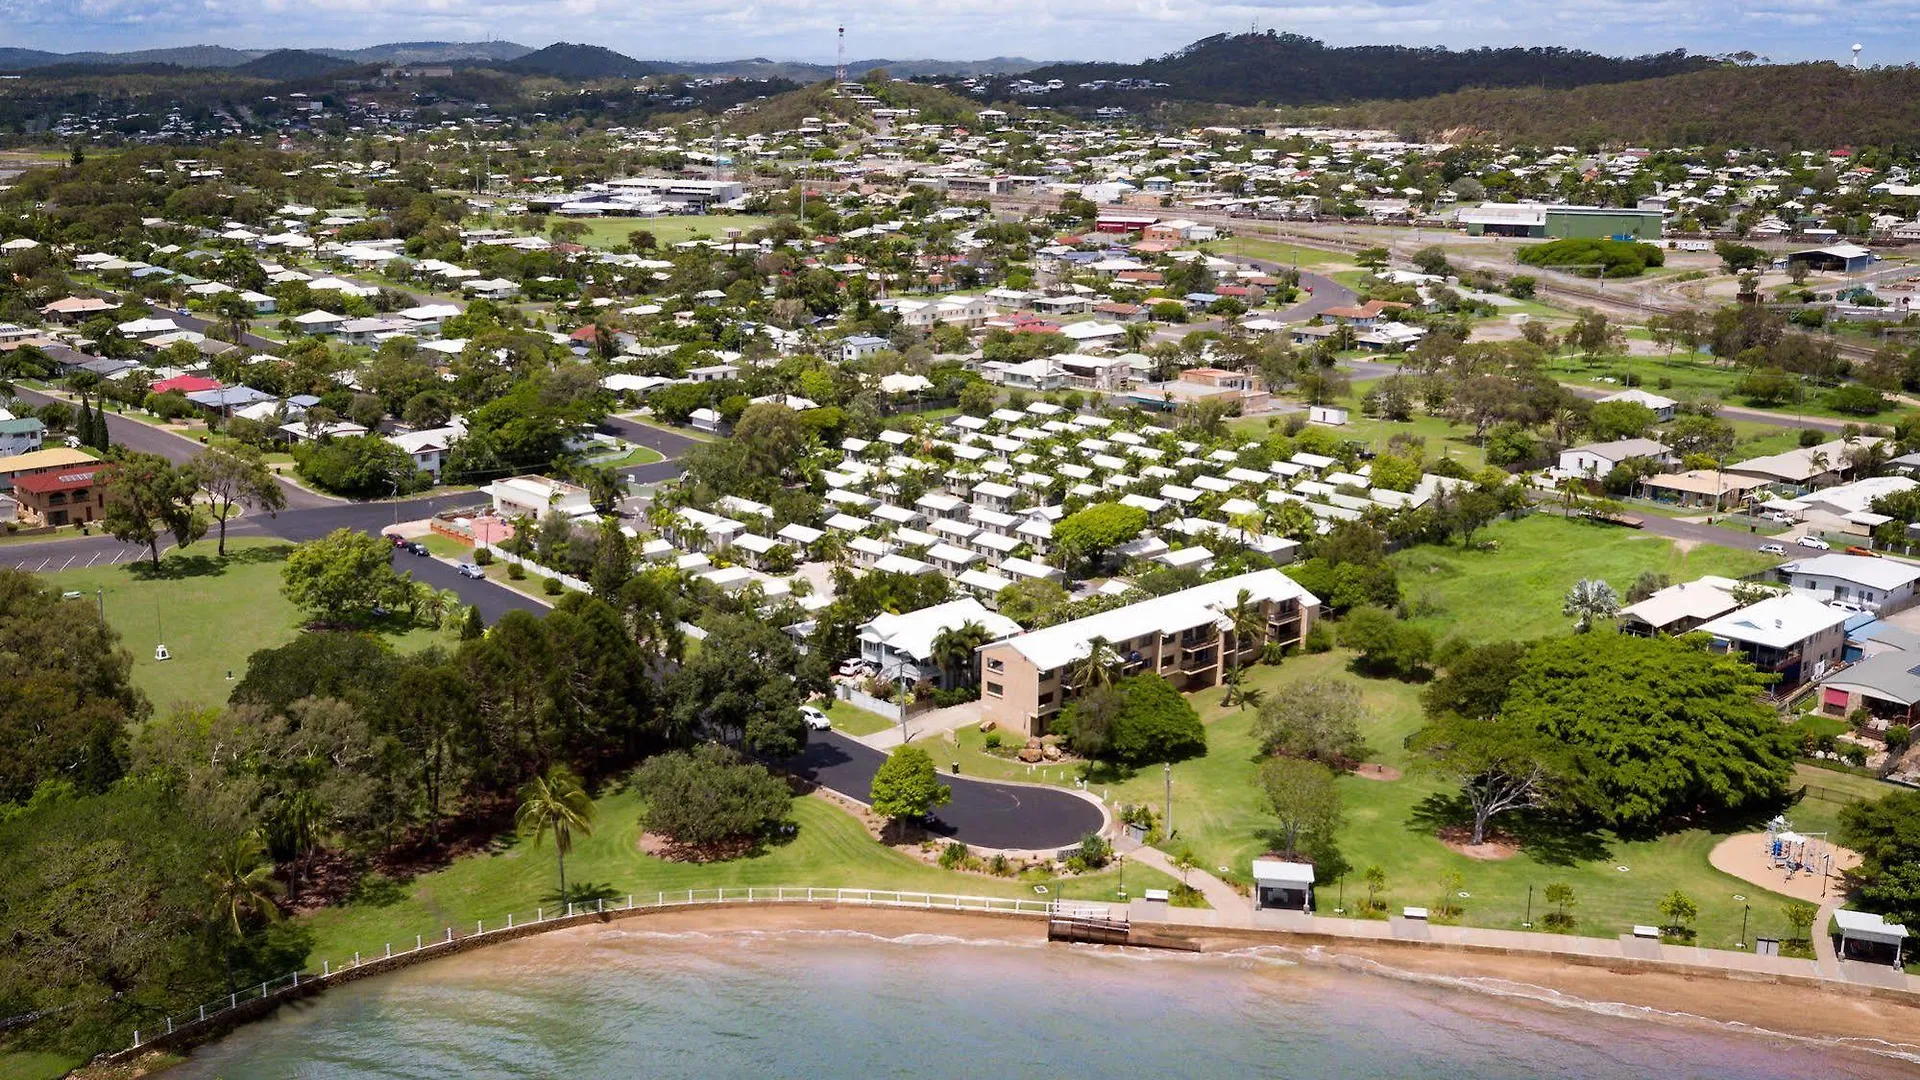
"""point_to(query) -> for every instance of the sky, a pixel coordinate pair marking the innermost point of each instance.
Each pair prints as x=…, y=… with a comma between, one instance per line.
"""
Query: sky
x=976, y=29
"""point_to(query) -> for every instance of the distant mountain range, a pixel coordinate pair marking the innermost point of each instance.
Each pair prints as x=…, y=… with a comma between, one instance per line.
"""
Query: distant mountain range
x=561, y=60
x=1289, y=69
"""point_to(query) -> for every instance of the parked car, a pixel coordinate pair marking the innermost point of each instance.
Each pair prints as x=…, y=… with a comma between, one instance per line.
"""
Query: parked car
x=852, y=667
x=1772, y=549
x=468, y=570
x=395, y=539
x=417, y=547
x=1814, y=542
x=1856, y=549
x=816, y=720
x=1780, y=516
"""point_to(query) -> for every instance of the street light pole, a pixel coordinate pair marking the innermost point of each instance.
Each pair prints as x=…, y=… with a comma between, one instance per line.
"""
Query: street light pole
x=1167, y=771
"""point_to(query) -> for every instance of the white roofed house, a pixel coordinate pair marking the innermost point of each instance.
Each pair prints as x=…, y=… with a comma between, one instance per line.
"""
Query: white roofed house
x=1876, y=584
x=902, y=646
x=538, y=497
x=1595, y=460
x=1791, y=636
x=428, y=447
x=1026, y=679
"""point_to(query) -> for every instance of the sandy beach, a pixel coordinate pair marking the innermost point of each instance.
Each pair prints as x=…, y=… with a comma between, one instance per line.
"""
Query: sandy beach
x=1790, y=1010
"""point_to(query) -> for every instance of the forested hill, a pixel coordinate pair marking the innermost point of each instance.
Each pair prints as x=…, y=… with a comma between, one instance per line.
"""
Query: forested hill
x=1817, y=106
x=1288, y=69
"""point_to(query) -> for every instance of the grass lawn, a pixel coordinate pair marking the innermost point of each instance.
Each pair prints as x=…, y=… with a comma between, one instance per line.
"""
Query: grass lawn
x=1218, y=811
x=640, y=455
x=1443, y=438
x=1305, y=258
x=612, y=232
x=829, y=848
x=853, y=719
x=1692, y=375
x=211, y=613
x=1515, y=591
x=37, y=1065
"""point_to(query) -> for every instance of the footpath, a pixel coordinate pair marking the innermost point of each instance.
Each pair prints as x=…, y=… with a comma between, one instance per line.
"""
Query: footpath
x=1232, y=911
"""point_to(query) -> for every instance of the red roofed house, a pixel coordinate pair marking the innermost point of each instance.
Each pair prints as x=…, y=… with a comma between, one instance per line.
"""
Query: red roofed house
x=1364, y=316
x=60, y=496
x=186, y=384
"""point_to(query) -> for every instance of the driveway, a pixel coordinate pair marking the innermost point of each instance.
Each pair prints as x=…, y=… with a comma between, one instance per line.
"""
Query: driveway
x=982, y=813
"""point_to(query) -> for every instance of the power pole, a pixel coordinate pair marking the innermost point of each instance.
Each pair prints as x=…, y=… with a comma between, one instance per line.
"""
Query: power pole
x=1167, y=771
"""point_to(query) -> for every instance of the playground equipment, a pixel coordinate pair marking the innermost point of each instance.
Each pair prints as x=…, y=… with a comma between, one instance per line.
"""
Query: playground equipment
x=1797, y=852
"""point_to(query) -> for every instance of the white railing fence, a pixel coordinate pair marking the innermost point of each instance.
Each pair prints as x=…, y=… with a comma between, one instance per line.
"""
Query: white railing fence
x=514, y=923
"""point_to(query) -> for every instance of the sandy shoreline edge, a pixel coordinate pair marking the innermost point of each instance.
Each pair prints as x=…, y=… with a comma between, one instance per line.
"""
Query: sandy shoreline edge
x=1874, y=1024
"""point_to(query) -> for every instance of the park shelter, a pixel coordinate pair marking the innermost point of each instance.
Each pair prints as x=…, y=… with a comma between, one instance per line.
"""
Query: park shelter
x=1278, y=883
x=1866, y=936
x=1839, y=258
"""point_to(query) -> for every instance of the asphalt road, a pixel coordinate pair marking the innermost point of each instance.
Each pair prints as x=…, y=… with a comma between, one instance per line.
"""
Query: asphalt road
x=981, y=813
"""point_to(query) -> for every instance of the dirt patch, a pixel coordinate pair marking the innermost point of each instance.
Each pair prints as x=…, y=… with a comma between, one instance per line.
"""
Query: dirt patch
x=1493, y=849
x=1373, y=770
x=1746, y=857
x=663, y=847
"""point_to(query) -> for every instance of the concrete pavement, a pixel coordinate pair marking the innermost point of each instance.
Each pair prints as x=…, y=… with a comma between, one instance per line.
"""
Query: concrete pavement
x=982, y=813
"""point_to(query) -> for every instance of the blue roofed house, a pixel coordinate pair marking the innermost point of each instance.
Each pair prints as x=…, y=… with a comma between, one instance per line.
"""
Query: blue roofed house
x=21, y=435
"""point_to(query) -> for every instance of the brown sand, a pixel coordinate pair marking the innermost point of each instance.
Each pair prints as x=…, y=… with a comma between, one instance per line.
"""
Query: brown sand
x=1745, y=857
x=1793, y=1010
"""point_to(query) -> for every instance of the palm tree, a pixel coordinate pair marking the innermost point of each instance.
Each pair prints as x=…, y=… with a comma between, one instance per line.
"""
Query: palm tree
x=241, y=878
x=1096, y=669
x=295, y=829
x=1135, y=335
x=555, y=803
x=1590, y=599
x=1244, y=619
x=954, y=646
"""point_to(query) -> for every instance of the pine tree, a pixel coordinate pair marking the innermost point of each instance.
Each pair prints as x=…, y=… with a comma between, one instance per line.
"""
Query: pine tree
x=103, y=437
x=472, y=627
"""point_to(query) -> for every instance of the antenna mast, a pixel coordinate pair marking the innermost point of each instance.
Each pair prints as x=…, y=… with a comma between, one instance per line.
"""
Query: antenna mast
x=840, y=58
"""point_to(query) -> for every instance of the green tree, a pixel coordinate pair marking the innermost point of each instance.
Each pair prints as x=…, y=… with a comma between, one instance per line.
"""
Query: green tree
x=342, y=576
x=709, y=796
x=1088, y=534
x=905, y=786
x=1155, y=723
x=1031, y=602
x=954, y=649
x=234, y=478
x=241, y=881
x=1376, y=880
x=1657, y=726
x=1316, y=719
x=612, y=562
x=1590, y=600
x=1800, y=917
x=1385, y=644
x=1500, y=766
x=1561, y=896
x=1304, y=799
x=1679, y=911
x=555, y=802
x=146, y=496
x=66, y=691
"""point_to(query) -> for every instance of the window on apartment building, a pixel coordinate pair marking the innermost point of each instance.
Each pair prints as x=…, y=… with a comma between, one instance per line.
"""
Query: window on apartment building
x=1166, y=659
x=994, y=690
x=996, y=665
x=1044, y=700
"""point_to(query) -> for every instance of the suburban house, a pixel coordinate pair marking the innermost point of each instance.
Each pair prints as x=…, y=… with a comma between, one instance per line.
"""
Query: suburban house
x=901, y=646
x=1884, y=684
x=861, y=346
x=1705, y=488
x=537, y=497
x=21, y=435
x=1881, y=585
x=1792, y=636
x=1025, y=679
x=60, y=496
x=1596, y=460
x=16, y=466
x=1662, y=407
x=1680, y=609
x=428, y=447
x=1806, y=467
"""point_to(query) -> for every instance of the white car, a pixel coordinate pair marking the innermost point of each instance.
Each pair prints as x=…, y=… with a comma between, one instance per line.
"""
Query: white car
x=469, y=570
x=815, y=719
x=1814, y=542
x=1772, y=549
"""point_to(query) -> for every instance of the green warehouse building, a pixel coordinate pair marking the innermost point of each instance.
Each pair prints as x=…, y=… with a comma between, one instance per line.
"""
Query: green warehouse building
x=1560, y=222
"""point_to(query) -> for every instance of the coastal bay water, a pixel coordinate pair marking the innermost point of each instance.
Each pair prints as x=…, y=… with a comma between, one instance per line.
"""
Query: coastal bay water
x=627, y=1002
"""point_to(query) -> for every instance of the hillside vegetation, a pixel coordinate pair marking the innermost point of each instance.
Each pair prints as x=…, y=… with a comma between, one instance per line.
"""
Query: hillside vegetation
x=1799, y=105
x=1242, y=69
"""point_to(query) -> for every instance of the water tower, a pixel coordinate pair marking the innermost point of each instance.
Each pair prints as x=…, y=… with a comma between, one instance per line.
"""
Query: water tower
x=1856, y=56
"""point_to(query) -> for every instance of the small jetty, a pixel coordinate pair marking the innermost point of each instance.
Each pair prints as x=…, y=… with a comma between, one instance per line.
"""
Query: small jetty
x=1096, y=924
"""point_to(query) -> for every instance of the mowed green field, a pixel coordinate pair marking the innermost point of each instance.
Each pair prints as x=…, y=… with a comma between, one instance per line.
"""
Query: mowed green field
x=1515, y=591
x=612, y=232
x=211, y=613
